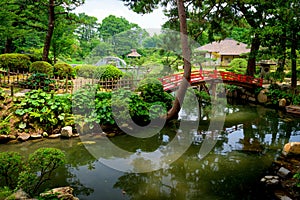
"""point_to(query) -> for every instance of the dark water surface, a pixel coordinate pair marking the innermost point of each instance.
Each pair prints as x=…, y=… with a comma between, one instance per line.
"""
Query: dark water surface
x=252, y=137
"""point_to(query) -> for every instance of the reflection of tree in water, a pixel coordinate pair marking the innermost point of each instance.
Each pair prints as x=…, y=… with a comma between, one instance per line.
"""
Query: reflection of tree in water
x=191, y=178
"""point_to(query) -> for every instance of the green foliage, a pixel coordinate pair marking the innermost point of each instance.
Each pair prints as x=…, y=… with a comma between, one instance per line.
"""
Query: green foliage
x=15, y=62
x=86, y=71
x=275, y=76
x=48, y=111
x=5, y=192
x=275, y=93
x=151, y=90
x=109, y=72
x=62, y=70
x=113, y=25
x=5, y=125
x=39, y=81
x=238, y=65
x=93, y=105
x=11, y=164
x=41, y=67
x=44, y=161
x=202, y=96
x=297, y=177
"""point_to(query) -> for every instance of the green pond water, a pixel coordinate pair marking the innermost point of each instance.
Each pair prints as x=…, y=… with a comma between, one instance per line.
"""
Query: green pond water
x=234, y=162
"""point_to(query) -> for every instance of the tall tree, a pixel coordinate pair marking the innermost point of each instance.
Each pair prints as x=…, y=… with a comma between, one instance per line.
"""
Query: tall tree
x=87, y=33
x=113, y=25
x=147, y=6
x=54, y=9
x=63, y=37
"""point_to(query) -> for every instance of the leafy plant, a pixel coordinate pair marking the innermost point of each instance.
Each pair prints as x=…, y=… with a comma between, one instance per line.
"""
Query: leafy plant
x=15, y=62
x=39, y=81
x=41, y=67
x=297, y=177
x=11, y=165
x=5, y=125
x=47, y=110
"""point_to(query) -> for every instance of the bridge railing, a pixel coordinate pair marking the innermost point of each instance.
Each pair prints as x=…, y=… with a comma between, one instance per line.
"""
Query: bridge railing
x=171, y=82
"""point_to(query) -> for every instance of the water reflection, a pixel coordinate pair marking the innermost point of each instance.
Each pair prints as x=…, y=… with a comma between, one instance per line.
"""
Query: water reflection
x=250, y=140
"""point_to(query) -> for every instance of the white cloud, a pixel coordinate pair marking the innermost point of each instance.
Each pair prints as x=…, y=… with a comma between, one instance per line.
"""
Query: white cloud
x=104, y=8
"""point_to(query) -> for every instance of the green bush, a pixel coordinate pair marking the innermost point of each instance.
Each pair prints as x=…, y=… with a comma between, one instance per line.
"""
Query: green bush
x=151, y=90
x=109, y=72
x=47, y=111
x=44, y=161
x=238, y=65
x=41, y=67
x=11, y=165
x=62, y=70
x=39, y=81
x=86, y=71
x=15, y=62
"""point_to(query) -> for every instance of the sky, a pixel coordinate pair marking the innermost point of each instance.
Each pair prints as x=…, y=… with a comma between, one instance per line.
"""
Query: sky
x=104, y=8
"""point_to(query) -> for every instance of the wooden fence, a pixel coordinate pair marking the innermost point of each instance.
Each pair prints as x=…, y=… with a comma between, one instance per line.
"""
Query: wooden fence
x=67, y=85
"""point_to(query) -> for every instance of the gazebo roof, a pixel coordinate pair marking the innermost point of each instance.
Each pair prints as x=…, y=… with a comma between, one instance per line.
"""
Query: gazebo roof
x=227, y=46
x=133, y=53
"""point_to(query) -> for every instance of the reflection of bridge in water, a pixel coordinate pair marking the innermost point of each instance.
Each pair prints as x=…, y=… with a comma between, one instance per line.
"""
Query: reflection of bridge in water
x=201, y=77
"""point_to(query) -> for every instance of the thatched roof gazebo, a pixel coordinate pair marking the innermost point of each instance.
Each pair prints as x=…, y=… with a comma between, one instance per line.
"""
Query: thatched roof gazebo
x=133, y=54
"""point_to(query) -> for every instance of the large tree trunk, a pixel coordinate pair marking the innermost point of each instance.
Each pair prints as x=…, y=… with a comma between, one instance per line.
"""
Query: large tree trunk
x=173, y=112
x=294, y=60
x=252, y=56
x=49, y=34
x=8, y=45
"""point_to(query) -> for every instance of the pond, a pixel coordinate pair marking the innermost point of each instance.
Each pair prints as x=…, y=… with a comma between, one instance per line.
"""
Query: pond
x=251, y=138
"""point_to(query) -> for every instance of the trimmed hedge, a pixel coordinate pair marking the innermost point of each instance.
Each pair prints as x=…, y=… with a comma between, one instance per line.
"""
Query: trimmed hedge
x=41, y=67
x=109, y=72
x=15, y=62
x=86, y=71
x=63, y=69
x=101, y=72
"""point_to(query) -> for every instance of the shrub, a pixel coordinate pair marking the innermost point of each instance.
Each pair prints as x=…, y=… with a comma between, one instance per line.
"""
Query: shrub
x=41, y=67
x=39, y=169
x=11, y=165
x=63, y=69
x=15, y=62
x=238, y=65
x=86, y=71
x=151, y=90
x=36, y=81
x=109, y=72
x=48, y=111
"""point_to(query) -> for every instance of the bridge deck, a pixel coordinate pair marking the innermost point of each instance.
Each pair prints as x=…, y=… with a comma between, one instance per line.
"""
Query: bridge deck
x=172, y=82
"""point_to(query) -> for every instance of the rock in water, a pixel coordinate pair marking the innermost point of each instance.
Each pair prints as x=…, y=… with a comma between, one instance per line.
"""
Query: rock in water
x=66, y=132
x=65, y=193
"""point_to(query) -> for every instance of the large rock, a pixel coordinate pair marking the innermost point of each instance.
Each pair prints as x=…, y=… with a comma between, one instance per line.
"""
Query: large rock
x=292, y=148
x=66, y=132
x=65, y=193
x=19, y=195
x=24, y=136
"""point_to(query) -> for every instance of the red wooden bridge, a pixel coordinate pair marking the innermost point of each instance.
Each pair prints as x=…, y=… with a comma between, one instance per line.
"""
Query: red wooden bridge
x=198, y=77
